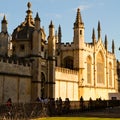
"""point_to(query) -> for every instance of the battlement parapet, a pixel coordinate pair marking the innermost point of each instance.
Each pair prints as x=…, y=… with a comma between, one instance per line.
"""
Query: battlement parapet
x=12, y=67
x=66, y=46
x=14, y=61
x=89, y=45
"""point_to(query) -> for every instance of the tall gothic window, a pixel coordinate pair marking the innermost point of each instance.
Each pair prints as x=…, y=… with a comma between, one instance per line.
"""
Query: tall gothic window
x=68, y=62
x=88, y=70
x=42, y=85
x=100, y=68
x=110, y=74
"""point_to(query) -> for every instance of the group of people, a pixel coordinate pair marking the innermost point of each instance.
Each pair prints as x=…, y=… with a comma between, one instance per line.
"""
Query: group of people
x=42, y=100
x=57, y=105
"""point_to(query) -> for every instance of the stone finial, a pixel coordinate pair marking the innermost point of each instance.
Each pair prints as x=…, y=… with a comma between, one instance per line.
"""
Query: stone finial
x=29, y=5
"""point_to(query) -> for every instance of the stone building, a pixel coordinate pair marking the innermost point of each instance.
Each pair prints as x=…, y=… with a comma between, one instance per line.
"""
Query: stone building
x=40, y=65
x=118, y=72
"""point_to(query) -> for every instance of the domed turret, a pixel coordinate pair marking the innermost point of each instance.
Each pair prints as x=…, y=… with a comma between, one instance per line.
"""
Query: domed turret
x=24, y=31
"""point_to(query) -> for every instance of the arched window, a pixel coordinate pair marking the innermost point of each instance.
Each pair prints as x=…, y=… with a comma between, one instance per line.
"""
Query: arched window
x=110, y=74
x=80, y=32
x=68, y=62
x=89, y=69
x=100, y=68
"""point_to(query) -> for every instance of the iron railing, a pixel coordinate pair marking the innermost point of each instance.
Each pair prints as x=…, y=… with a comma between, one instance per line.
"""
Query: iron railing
x=51, y=108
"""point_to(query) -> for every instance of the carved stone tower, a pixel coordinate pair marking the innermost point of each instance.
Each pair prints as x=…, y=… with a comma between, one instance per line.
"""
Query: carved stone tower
x=51, y=61
x=36, y=57
x=78, y=41
x=78, y=30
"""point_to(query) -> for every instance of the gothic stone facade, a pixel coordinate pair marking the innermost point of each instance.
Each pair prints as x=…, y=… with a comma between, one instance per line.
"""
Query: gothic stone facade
x=32, y=66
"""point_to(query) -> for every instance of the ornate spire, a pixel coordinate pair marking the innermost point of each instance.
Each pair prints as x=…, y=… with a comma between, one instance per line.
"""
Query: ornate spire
x=29, y=18
x=99, y=30
x=4, y=20
x=37, y=22
x=93, y=36
x=78, y=19
x=37, y=17
x=51, y=25
x=59, y=34
x=113, y=47
x=59, y=30
x=106, y=42
x=4, y=25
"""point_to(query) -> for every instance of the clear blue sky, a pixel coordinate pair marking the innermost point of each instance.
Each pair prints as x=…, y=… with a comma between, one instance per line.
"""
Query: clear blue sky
x=63, y=12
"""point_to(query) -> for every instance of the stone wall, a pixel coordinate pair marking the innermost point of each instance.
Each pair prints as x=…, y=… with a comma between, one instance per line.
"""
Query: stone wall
x=14, y=68
x=15, y=82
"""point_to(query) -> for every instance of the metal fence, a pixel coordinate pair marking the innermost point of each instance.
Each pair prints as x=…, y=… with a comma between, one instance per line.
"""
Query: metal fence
x=51, y=108
x=21, y=111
